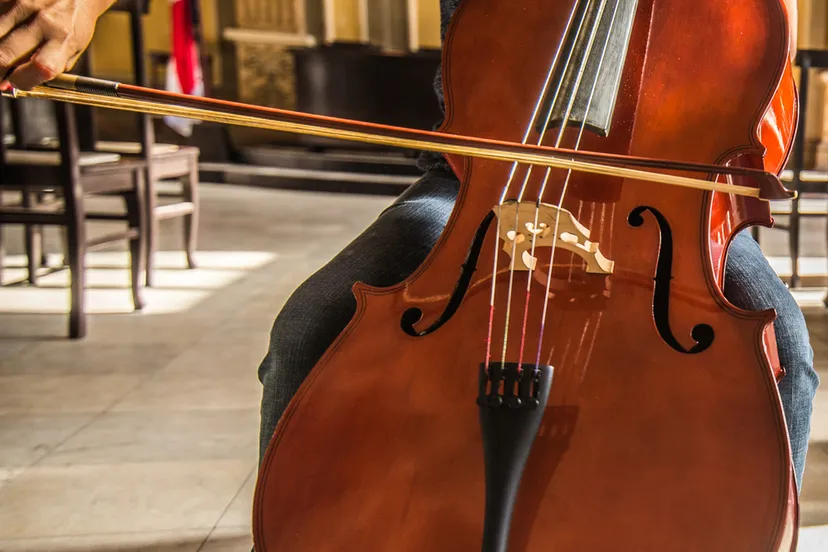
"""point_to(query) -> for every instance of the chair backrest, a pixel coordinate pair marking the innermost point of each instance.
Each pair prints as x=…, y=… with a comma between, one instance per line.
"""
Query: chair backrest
x=29, y=124
x=136, y=6
x=66, y=130
x=86, y=115
x=6, y=133
x=69, y=149
x=7, y=136
x=88, y=137
x=135, y=10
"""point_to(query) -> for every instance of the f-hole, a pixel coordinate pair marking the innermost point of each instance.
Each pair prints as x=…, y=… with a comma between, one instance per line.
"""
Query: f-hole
x=702, y=333
x=413, y=315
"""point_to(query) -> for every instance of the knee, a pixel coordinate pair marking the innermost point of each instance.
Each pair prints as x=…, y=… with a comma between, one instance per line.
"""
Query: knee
x=752, y=284
x=308, y=322
x=419, y=215
x=383, y=255
x=795, y=352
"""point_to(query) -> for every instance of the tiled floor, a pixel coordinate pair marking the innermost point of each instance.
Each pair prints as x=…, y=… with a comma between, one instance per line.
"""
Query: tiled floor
x=143, y=436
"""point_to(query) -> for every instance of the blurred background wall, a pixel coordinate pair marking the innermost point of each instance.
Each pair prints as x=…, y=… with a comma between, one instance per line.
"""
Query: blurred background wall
x=251, y=46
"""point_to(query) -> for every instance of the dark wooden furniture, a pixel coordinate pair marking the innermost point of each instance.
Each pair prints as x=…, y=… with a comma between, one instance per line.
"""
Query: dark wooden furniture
x=363, y=82
x=61, y=178
x=808, y=183
x=162, y=161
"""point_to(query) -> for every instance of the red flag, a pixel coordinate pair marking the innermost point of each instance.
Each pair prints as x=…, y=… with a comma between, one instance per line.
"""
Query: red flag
x=184, y=73
x=183, y=44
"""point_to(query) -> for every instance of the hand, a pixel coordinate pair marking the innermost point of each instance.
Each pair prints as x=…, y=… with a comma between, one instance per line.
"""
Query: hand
x=39, y=39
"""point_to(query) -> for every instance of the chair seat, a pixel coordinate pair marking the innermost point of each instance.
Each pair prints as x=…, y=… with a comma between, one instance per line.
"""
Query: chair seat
x=805, y=176
x=134, y=148
x=52, y=158
x=807, y=206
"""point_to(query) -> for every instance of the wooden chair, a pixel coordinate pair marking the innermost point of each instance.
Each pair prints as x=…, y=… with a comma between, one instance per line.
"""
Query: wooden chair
x=20, y=136
x=162, y=161
x=796, y=177
x=68, y=176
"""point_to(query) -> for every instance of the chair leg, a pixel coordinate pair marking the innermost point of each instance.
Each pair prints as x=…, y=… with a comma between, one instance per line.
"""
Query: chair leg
x=824, y=299
x=64, y=237
x=76, y=257
x=151, y=201
x=135, y=202
x=190, y=192
x=34, y=241
x=32, y=253
x=44, y=259
x=793, y=242
x=2, y=255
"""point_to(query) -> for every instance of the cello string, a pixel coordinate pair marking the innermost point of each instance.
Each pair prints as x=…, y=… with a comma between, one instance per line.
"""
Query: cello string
x=573, y=95
x=591, y=225
x=553, y=66
x=507, y=187
x=564, y=125
x=563, y=195
x=565, y=187
x=559, y=139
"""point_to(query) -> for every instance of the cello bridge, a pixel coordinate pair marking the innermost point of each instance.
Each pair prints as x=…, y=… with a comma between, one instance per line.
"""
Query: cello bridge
x=518, y=227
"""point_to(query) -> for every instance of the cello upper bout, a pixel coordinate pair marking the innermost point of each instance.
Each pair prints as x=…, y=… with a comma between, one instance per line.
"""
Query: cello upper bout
x=778, y=128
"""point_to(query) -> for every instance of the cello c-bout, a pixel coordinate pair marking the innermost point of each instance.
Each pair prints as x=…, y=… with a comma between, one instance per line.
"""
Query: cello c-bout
x=563, y=372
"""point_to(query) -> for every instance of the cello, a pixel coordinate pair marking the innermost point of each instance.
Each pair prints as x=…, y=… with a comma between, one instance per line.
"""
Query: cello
x=563, y=372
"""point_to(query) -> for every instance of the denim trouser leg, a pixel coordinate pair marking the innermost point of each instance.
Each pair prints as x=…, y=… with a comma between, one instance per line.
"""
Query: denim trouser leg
x=751, y=284
x=383, y=255
x=400, y=239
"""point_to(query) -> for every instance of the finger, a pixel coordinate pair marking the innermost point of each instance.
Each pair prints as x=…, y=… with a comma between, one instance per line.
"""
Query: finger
x=12, y=15
x=14, y=47
x=72, y=62
x=46, y=64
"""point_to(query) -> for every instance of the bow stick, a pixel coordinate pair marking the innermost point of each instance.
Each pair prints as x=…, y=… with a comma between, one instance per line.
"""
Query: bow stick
x=114, y=95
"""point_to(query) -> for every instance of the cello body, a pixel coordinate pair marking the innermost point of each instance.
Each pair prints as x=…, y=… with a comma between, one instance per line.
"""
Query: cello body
x=658, y=421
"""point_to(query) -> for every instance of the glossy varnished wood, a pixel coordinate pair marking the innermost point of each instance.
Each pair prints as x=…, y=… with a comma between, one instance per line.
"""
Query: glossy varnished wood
x=643, y=447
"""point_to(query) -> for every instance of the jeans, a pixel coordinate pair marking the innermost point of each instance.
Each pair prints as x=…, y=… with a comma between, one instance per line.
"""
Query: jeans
x=400, y=239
